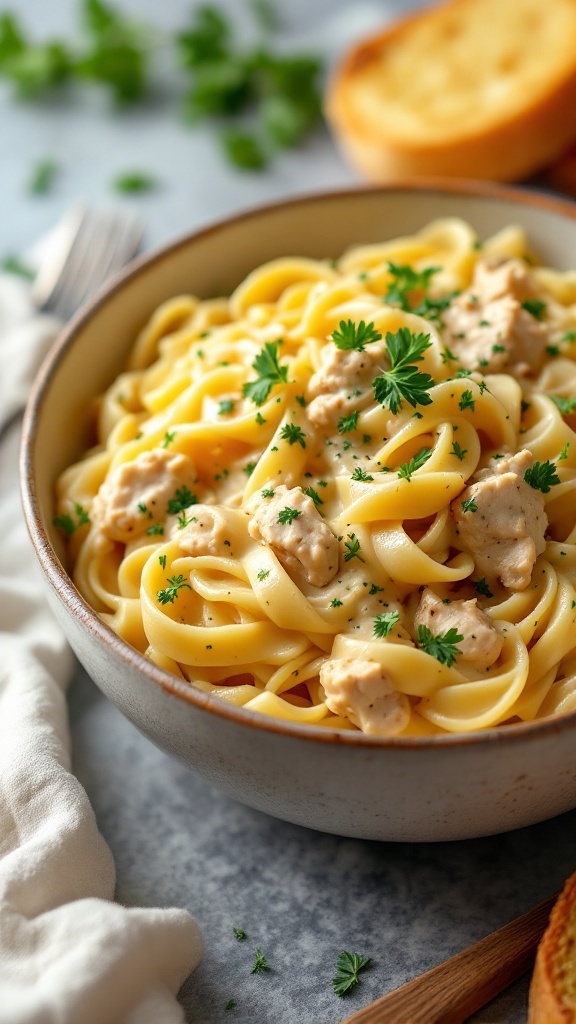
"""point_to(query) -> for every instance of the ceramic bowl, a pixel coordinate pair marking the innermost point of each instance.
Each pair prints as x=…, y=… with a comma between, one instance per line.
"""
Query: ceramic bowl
x=439, y=788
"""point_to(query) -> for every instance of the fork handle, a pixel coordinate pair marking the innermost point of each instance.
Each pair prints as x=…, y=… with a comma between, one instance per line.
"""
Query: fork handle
x=451, y=992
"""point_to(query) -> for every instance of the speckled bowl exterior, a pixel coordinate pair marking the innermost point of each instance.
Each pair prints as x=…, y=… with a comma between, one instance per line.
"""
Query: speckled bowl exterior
x=439, y=788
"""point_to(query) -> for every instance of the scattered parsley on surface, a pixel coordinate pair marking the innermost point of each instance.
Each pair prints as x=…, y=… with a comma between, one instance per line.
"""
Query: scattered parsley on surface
x=43, y=177
x=458, y=451
x=536, y=308
x=442, y=647
x=407, y=468
x=182, y=500
x=270, y=372
x=409, y=288
x=361, y=474
x=349, y=335
x=65, y=523
x=352, y=545
x=249, y=468
x=335, y=602
x=467, y=401
x=225, y=406
x=134, y=183
x=157, y=529
x=469, y=505
x=169, y=595
x=162, y=560
x=348, y=967
x=348, y=423
x=288, y=515
x=313, y=494
x=239, y=933
x=384, y=623
x=482, y=587
x=261, y=574
x=168, y=438
x=184, y=520
x=542, y=476
x=374, y=589
x=293, y=434
x=564, y=453
x=404, y=381
x=260, y=965
x=565, y=405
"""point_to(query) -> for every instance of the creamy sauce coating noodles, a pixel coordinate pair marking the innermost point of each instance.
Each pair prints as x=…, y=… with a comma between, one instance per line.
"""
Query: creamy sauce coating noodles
x=345, y=495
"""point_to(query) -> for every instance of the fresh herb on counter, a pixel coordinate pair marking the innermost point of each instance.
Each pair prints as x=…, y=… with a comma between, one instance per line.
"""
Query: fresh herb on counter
x=42, y=177
x=13, y=265
x=260, y=965
x=348, y=967
x=239, y=934
x=134, y=182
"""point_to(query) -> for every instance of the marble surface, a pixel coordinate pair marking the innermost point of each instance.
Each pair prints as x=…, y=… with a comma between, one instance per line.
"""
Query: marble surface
x=300, y=896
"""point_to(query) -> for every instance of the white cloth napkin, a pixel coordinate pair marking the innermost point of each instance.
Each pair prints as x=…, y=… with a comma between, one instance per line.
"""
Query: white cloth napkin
x=68, y=954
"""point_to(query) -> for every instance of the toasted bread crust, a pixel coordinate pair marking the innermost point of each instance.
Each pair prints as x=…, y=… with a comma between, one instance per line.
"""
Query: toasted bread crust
x=437, y=94
x=552, y=997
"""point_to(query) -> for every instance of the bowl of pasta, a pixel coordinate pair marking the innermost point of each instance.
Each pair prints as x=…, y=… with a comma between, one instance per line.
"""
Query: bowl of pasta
x=302, y=489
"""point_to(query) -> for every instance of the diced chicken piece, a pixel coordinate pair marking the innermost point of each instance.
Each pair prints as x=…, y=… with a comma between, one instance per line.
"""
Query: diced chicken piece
x=362, y=691
x=136, y=494
x=487, y=327
x=304, y=543
x=482, y=643
x=504, y=530
x=205, y=532
x=342, y=384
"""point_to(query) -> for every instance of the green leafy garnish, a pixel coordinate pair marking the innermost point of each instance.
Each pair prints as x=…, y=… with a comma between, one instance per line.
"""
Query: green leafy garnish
x=407, y=468
x=13, y=265
x=243, y=149
x=270, y=372
x=384, y=623
x=335, y=602
x=249, y=468
x=33, y=69
x=313, y=494
x=134, y=182
x=348, y=423
x=43, y=177
x=469, y=505
x=168, y=438
x=404, y=381
x=288, y=515
x=157, y=529
x=458, y=451
x=67, y=524
x=182, y=499
x=442, y=647
x=170, y=593
x=361, y=474
x=566, y=405
x=261, y=575
x=349, y=335
x=482, y=587
x=564, y=453
x=352, y=545
x=536, y=308
x=260, y=964
x=348, y=967
x=408, y=290
x=542, y=476
x=239, y=933
x=293, y=434
x=467, y=401
x=116, y=56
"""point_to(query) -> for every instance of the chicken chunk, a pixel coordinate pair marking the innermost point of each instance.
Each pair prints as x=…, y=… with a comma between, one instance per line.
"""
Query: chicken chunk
x=488, y=328
x=291, y=524
x=482, y=643
x=503, y=527
x=205, y=532
x=361, y=691
x=136, y=494
x=342, y=384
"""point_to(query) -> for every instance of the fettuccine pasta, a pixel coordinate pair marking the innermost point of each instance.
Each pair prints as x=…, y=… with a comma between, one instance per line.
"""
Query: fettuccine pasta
x=344, y=495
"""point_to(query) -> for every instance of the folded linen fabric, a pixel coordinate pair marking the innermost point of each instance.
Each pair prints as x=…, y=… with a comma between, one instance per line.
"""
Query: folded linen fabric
x=68, y=954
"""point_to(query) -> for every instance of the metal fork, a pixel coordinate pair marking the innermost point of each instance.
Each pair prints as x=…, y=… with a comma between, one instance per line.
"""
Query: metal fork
x=89, y=247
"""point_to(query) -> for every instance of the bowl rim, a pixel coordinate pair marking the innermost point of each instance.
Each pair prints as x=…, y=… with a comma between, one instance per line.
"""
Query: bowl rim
x=66, y=590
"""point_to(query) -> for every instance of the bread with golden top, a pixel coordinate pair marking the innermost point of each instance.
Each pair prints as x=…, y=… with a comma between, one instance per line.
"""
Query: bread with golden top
x=553, y=988
x=467, y=88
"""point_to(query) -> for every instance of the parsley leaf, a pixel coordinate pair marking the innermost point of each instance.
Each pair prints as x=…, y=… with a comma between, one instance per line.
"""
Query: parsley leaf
x=260, y=964
x=458, y=451
x=482, y=587
x=352, y=545
x=182, y=499
x=566, y=405
x=384, y=623
x=536, y=308
x=168, y=438
x=404, y=380
x=33, y=69
x=313, y=494
x=133, y=182
x=348, y=423
x=117, y=57
x=467, y=401
x=542, y=476
x=287, y=515
x=361, y=474
x=293, y=434
x=243, y=149
x=269, y=371
x=442, y=647
x=408, y=290
x=348, y=967
x=407, y=468
x=238, y=932
x=43, y=177
x=13, y=265
x=169, y=595
x=469, y=505
x=349, y=336
x=65, y=523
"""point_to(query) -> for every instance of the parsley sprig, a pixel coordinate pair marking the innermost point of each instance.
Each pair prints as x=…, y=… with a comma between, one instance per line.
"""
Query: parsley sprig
x=408, y=289
x=287, y=515
x=406, y=470
x=170, y=593
x=67, y=524
x=566, y=405
x=542, y=476
x=349, y=335
x=442, y=646
x=404, y=381
x=181, y=500
x=348, y=967
x=384, y=623
x=294, y=434
x=270, y=372
x=260, y=965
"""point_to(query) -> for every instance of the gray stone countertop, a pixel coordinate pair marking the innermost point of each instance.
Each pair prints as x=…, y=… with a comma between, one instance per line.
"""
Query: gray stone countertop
x=300, y=896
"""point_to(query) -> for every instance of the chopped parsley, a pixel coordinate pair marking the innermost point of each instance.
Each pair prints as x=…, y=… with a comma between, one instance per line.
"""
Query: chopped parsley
x=261, y=575
x=267, y=492
x=442, y=647
x=270, y=372
x=288, y=515
x=157, y=529
x=349, y=336
x=374, y=589
x=162, y=560
x=469, y=505
x=293, y=434
x=542, y=476
x=404, y=381
x=43, y=177
x=259, y=419
x=169, y=595
x=566, y=405
x=184, y=520
x=498, y=348
x=225, y=406
x=301, y=400
x=407, y=468
x=182, y=499
x=482, y=587
x=230, y=1005
x=67, y=524
x=335, y=602
x=467, y=401
x=384, y=623
x=361, y=474
x=239, y=934
x=168, y=438
x=536, y=308
x=14, y=265
x=552, y=350
x=564, y=453
x=249, y=468
x=348, y=967
x=134, y=182
x=458, y=451
x=352, y=545
x=260, y=965
x=313, y=494
x=348, y=423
